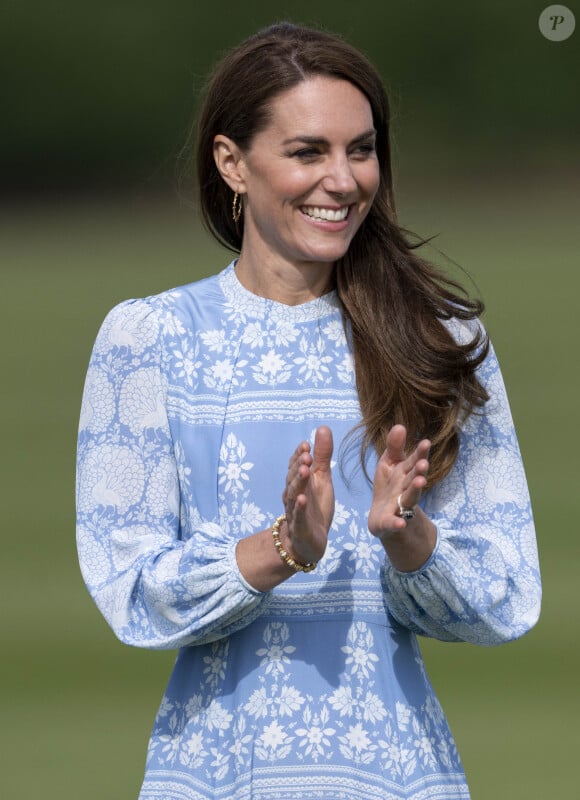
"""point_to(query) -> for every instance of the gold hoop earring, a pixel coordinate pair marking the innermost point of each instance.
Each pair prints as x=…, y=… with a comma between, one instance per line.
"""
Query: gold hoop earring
x=236, y=208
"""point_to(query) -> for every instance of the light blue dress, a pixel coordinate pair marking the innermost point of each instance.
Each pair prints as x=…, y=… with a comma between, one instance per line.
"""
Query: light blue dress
x=194, y=401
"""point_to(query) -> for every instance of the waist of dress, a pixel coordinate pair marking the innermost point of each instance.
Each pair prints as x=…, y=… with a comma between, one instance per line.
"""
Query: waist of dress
x=332, y=603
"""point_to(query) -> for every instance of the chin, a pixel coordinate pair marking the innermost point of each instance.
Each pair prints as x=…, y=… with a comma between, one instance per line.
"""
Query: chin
x=328, y=255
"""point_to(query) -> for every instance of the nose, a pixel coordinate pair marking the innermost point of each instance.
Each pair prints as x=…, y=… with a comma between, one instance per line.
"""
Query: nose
x=339, y=178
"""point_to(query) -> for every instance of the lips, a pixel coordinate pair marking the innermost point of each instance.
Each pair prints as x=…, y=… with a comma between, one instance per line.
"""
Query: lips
x=327, y=214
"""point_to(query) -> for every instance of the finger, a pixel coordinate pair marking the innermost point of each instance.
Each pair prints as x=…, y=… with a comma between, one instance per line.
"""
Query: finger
x=422, y=450
x=411, y=495
x=304, y=459
x=323, y=447
x=300, y=457
x=303, y=447
x=420, y=466
x=298, y=468
x=300, y=504
x=419, y=458
x=297, y=479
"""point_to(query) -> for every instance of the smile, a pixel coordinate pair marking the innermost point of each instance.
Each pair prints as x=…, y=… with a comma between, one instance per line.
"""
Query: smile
x=328, y=214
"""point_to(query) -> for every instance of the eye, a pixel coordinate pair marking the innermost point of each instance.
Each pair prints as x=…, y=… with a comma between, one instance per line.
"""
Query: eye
x=306, y=153
x=364, y=150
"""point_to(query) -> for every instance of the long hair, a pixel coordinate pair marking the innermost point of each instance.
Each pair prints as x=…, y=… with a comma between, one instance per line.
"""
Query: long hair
x=409, y=368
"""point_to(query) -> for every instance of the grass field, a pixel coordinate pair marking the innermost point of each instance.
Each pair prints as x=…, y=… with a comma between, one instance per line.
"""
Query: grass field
x=77, y=705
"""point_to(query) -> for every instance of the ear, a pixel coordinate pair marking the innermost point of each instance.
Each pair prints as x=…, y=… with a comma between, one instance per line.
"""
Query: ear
x=230, y=162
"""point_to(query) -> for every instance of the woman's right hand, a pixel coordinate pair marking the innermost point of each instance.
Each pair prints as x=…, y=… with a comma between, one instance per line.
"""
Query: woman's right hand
x=309, y=499
x=309, y=507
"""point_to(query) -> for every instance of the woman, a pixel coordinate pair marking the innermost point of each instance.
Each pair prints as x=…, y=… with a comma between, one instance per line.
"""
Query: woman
x=295, y=600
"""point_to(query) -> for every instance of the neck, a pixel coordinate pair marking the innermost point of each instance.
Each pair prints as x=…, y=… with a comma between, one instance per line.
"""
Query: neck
x=290, y=284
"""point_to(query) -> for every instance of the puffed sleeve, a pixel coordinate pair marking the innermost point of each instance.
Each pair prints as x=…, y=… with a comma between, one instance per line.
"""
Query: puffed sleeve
x=482, y=582
x=155, y=589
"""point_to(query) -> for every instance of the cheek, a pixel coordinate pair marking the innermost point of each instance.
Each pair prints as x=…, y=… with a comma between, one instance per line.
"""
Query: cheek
x=281, y=188
x=297, y=183
x=372, y=179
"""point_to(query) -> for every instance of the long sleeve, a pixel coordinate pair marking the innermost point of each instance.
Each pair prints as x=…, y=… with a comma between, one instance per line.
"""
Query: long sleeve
x=155, y=587
x=482, y=582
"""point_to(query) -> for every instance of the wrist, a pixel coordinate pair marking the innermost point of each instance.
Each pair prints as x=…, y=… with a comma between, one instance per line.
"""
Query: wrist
x=280, y=537
x=410, y=548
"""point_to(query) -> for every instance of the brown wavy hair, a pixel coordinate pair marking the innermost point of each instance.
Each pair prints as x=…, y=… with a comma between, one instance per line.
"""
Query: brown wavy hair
x=409, y=368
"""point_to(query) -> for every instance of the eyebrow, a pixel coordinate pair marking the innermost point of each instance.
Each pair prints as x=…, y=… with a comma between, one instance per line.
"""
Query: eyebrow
x=371, y=133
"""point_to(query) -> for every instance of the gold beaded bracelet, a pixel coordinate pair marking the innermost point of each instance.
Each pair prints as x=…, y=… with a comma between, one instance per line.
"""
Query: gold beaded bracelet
x=284, y=555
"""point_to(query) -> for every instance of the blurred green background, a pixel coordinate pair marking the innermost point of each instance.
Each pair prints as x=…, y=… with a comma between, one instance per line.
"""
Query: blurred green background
x=97, y=102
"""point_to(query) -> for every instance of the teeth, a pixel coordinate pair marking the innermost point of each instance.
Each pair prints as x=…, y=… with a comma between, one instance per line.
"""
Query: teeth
x=326, y=213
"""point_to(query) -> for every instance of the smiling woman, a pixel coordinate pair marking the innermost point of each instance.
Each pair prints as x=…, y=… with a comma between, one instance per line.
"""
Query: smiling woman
x=294, y=591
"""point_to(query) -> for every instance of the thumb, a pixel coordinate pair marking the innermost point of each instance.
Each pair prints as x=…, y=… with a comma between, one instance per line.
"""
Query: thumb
x=396, y=440
x=323, y=447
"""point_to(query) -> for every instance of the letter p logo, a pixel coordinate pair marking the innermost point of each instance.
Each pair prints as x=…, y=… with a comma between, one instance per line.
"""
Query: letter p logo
x=557, y=23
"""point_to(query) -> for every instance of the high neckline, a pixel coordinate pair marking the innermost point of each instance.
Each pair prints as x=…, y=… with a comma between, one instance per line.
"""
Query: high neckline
x=245, y=302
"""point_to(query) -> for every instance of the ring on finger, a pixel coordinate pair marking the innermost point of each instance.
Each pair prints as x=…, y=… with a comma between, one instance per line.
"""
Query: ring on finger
x=405, y=512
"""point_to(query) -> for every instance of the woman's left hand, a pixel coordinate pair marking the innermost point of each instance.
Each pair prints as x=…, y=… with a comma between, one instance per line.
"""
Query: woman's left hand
x=401, y=478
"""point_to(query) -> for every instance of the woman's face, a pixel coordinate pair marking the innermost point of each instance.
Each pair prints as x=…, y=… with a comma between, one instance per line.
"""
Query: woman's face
x=310, y=177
